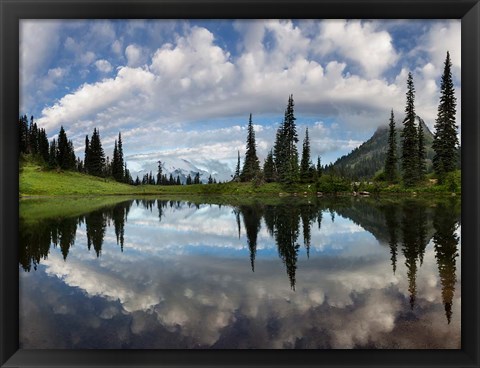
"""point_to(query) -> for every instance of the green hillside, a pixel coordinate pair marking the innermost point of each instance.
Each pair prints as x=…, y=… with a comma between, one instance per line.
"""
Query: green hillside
x=35, y=180
x=369, y=158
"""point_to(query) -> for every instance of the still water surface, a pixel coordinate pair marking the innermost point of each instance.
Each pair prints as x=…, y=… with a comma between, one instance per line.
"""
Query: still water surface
x=267, y=273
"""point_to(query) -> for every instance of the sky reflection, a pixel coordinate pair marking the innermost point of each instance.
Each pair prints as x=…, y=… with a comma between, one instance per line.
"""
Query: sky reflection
x=184, y=280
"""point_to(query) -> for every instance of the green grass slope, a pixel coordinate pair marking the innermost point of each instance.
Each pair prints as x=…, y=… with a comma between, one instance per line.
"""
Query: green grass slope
x=34, y=180
x=38, y=181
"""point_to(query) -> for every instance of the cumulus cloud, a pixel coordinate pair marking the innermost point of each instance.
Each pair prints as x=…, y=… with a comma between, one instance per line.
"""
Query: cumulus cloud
x=103, y=66
x=336, y=69
x=196, y=79
x=360, y=42
x=135, y=55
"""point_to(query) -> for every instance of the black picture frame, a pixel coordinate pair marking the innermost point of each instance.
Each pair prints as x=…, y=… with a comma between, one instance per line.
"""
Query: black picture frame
x=11, y=11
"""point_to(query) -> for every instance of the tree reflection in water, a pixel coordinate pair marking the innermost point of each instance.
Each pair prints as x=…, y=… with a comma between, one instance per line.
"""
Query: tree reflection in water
x=406, y=226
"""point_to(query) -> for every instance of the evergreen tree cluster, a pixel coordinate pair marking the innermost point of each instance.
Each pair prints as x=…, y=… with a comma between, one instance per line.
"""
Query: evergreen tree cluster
x=282, y=162
x=445, y=141
x=33, y=140
x=60, y=152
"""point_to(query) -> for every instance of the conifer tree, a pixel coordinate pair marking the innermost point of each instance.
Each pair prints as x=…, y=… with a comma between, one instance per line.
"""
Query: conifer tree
x=33, y=137
x=121, y=161
x=251, y=165
x=63, y=152
x=319, y=167
x=279, y=153
x=285, y=149
x=72, y=159
x=410, y=138
x=236, y=176
x=96, y=155
x=114, y=164
x=269, y=168
x=52, y=155
x=210, y=179
x=305, y=164
x=196, y=180
x=79, y=165
x=43, y=145
x=422, y=153
x=86, y=159
x=391, y=159
x=291, y=140
x=445, y=140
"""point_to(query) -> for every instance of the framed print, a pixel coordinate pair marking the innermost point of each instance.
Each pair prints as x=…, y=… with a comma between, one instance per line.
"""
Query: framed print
x=239, y=183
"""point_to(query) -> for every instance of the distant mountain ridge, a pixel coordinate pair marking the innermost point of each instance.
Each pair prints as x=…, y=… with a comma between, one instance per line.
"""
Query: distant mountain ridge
x=182, y=167
x=369, y=158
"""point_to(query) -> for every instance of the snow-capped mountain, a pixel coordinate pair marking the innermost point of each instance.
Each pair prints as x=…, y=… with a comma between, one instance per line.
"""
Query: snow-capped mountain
x=221, y=171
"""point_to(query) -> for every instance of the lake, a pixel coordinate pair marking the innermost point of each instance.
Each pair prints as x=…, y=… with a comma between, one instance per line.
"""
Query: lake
x=281, y=273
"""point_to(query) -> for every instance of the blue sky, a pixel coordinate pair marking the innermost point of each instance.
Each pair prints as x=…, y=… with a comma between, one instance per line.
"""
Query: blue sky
x=184, y=89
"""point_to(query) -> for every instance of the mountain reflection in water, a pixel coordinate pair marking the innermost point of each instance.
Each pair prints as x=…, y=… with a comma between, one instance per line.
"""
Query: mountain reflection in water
x=270, y=273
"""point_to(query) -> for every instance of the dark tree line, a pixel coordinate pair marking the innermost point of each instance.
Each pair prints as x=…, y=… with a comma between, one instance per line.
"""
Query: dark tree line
x=59, y=153
x=413, y=153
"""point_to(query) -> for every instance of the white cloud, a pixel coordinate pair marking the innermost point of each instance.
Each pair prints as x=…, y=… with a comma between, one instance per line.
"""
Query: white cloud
x=359, y=41
x=443, y=37
x=87, y=58
x=135, y=55
x=334, y=69
x=103, y=65
x=117, y=47
x=38, y=41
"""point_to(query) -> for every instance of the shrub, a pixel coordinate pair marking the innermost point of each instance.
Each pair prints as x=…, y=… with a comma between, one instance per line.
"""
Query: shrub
x=332, y=184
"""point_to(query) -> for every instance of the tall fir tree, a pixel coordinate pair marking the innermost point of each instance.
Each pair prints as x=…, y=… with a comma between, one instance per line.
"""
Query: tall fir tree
x=63, y=150
x=269, y=168
x=251, y=165
x=86, y=158
x=291, y=140
x=285, y=148
x=120, y=169
x=421, y=154
x=305, y=164
x=236, y=176
x=279, y=152
x=52, y=154
x=391, y=159
x=319, y=167
x=72, y=159
x=410, y=138
x=96, y=155
x=43, y=146
x=115, y=162
x=445, y=140
x=33, y=137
